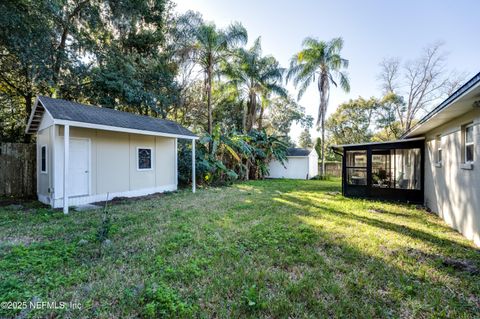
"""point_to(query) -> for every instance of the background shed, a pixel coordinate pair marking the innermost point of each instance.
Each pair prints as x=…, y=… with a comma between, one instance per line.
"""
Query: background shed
x=301, y=163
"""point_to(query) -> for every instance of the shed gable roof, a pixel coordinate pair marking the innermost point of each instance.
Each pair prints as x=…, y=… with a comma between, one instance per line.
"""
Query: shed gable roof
x=296, y=151
x=76, y=112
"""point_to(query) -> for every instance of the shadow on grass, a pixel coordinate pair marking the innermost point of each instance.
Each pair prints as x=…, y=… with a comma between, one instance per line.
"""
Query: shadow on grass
x=214, y=263
x=399, y=228
x=367, y=285
x=408, y=285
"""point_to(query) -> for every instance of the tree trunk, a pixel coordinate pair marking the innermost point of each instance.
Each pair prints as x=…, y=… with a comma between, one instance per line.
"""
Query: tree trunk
x=260, y=119
x=28, y=110
x=244, y=117
x=323, y=148
x=63, y=40
x=323, y=88
x=209, y=100
x=252, y=107
x=248, y=121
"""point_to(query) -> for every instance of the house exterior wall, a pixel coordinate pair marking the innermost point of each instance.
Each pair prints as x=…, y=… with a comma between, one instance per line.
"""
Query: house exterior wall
x=295, y=168
x=113, y=165
x=451, y=191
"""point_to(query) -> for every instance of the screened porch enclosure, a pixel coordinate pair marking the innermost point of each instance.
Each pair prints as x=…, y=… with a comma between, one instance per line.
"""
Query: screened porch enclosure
x=389, y=171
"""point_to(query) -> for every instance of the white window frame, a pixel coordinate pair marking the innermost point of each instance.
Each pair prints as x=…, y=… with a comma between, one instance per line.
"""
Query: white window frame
x=465, y=143
x=151, y=159
x=46, y=159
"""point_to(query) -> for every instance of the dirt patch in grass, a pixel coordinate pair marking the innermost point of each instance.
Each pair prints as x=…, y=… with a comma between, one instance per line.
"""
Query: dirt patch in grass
x=20, y=202
x=126, y=200
x=18, y=240
x=465, y=265
x=333, y=193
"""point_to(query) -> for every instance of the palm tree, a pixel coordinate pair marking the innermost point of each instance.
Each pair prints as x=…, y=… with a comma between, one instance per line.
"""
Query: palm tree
x=319, y=62
x=211, y=47
x=256, y=78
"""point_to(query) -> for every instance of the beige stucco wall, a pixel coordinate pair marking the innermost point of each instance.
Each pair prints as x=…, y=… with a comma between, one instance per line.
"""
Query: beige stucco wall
x=450, y=191
x=113, y=161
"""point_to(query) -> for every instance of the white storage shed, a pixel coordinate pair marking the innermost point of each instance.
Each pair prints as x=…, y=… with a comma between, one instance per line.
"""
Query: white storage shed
x=85, y=153
x=301, y=163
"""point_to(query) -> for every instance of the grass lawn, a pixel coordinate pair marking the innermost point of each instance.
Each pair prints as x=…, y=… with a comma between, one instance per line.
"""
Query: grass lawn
x=268, y=249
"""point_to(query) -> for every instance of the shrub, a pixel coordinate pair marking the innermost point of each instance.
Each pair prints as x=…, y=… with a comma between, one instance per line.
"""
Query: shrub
x=105, y=226
x=224, y=157
x=161, y=301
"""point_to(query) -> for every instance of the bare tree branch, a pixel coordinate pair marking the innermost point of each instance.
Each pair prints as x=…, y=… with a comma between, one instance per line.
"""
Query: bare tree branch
x=389, y=75
x=421, y=81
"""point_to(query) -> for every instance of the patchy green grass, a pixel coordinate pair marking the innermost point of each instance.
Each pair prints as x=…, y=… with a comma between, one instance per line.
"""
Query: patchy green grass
x=259, y=249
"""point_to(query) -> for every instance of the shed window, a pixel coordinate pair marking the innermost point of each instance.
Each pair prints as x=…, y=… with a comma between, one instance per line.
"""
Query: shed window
x=357, y=167
x=468, y=143
x=43, y=159
x=144, y=158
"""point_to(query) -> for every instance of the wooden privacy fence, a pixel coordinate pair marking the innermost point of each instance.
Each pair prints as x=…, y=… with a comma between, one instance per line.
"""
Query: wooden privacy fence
x=332, y=168
x=18, y=170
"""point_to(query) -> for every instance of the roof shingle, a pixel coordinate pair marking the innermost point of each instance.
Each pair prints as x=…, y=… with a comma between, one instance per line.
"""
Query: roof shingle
x=72, y=111
x=295, y=151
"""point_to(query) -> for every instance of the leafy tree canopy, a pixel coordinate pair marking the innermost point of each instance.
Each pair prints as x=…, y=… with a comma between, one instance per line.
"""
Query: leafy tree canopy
x=352, y=121
x=110, y=53
x=305, y=139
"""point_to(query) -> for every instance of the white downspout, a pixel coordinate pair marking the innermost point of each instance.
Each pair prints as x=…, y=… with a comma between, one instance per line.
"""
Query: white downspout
x=193, y=167
x=53, y=139
x=176, y=163
x=66, y=153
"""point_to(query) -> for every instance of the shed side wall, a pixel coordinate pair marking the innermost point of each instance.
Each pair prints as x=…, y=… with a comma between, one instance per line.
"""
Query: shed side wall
x=296, y=168
x=113, y=163
x=44, y=179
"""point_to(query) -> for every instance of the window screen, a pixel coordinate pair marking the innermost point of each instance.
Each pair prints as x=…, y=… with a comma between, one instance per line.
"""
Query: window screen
x=407, y=168
x=357, y=167
x=397, y=168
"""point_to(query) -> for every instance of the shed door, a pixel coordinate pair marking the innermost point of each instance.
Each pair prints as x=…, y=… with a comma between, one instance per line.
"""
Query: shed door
x=79, y=173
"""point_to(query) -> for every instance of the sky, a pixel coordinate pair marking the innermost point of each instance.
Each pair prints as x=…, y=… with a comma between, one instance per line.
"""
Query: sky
x=371, y=29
